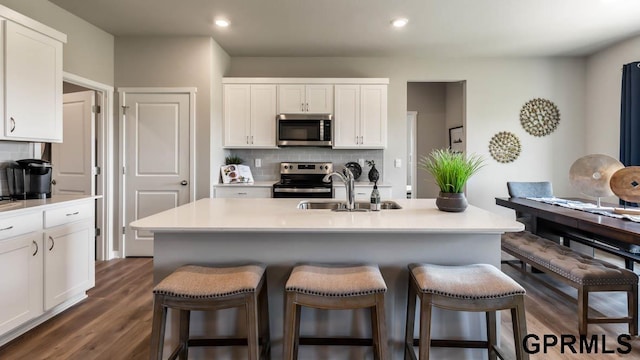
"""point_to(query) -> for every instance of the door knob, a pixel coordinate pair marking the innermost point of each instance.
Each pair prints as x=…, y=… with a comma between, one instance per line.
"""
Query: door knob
x=53, y=182
x=184, y=182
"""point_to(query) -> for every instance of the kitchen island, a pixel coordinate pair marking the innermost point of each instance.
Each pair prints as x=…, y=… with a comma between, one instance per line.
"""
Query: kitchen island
x=277, y=233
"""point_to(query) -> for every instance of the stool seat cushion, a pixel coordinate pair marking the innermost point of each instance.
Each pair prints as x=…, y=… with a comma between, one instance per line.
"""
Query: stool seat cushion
x=477, y=281
x=192, y=281
x=335, y=280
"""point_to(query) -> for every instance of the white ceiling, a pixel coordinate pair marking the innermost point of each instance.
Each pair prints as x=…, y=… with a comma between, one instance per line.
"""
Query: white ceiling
x=362, y=27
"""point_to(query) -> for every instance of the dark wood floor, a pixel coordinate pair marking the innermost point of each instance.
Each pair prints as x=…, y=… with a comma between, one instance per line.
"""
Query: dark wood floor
x=115, y=321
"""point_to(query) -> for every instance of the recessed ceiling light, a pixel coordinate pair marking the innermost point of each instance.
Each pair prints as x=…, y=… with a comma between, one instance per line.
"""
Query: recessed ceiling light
x=400, y=22
x=222, y=23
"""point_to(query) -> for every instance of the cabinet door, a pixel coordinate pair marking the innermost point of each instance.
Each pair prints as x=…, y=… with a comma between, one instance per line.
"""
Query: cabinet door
x=319, y=99
x=347, y=116
x=373, y=116
x=68, y=262
x=237, y=115
x=263, y=116
x=21, y=280
x=291, y=99
x=33, y=85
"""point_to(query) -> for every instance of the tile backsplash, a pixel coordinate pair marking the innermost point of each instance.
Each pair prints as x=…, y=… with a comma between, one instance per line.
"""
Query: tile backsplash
x=10, y=151
x=271, y=159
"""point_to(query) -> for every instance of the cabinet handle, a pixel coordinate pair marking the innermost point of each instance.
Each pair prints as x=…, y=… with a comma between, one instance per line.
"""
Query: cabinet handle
x=13, y=124
x=75, y=213
x=53, y=243
x=7, y=228
x=242, y=193
x=247, y=139
x=307, y=107
x=361, y=139
x=251, y=139
x=36, y=244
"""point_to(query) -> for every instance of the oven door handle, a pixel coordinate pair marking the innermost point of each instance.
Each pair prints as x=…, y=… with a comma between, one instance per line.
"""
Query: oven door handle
x=297, y=190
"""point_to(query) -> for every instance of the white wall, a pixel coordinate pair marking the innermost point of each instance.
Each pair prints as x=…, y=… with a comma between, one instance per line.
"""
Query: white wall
x=194, y=61
x=89, y=50
x=604, y=85
x=496, y=89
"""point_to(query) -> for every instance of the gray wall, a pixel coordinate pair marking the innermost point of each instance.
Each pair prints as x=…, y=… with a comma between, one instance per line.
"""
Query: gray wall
x=174, y=62
x=88, y=51
x=496, y=89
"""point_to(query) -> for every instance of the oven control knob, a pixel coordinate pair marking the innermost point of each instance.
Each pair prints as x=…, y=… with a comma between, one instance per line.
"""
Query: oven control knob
x=286, y=167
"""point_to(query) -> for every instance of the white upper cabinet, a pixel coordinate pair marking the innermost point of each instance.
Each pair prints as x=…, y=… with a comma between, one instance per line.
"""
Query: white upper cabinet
x=32, y=84
x=302, y=98
x=249, y=115
x=360, y=116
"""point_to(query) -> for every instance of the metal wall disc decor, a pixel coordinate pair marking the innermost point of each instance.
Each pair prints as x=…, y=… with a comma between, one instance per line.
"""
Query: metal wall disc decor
x=591, y=174
x=625, y=183
x=504, y=147
x=539, y=117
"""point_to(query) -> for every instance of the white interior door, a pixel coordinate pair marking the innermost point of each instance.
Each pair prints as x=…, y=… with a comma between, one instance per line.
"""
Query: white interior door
x=73, y=160
x=157, y=163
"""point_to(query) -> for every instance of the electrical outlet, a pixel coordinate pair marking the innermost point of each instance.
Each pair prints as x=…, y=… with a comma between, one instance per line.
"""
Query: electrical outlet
x=398, y=163
x=361, y=162
x=258, y=163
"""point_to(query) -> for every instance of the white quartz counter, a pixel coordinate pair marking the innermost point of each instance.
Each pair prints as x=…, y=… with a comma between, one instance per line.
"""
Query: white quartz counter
x=19, y=206
x=282, y=215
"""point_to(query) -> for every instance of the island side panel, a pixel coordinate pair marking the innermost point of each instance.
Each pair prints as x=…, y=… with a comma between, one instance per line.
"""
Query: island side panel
x=282, y=250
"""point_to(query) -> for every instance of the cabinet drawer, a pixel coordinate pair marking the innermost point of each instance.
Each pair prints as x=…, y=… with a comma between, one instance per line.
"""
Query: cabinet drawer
x=244, y=192
x=67, y=214
x=22, y=224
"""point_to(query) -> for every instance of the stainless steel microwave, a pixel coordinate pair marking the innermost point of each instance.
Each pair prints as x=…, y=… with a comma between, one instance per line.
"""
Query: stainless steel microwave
x=304, y=129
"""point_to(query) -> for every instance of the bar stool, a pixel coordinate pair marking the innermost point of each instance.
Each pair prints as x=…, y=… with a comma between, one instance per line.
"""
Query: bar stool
x=335, y=287
x=478, y=287
x=199, y=288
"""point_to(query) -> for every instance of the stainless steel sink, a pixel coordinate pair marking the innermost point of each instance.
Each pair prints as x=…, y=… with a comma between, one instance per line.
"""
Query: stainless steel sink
x=342, y=206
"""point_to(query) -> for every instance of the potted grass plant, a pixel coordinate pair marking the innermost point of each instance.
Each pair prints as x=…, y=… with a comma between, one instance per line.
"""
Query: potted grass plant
x=451, y=170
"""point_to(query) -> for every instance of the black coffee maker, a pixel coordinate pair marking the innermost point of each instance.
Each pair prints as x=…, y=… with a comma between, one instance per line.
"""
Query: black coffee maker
x=29, y=179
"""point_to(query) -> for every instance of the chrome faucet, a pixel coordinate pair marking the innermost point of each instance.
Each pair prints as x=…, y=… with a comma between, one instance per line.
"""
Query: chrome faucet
x=348, y=179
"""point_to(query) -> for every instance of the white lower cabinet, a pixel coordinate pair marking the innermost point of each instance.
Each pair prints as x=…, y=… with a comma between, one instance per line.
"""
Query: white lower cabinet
x=21, y=280
x=68, y=262
x=363, y=192
x=47, y=258
x=242, y=192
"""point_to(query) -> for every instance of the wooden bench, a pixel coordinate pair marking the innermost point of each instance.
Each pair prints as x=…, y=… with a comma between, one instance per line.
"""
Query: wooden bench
x=580, y=271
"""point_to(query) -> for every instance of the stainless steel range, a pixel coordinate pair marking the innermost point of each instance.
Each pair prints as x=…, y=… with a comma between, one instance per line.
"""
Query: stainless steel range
x=303, y=180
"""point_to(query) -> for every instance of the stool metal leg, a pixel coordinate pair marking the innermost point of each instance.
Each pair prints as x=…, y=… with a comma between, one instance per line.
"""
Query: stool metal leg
x=264, y=321
x=492, y=342
x=411, y=317
x=185, y=319
x=158, y=327
x=425, y=325
x=379, y=328
x=519, y=320
x=291, y=327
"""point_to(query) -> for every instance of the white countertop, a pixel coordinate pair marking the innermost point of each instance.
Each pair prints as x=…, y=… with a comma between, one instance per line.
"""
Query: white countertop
x=269, y=183
x=282, y=215
x=19, y=206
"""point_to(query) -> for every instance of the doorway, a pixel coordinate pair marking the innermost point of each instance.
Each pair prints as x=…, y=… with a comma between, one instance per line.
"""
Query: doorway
x=100, y=140
x=158, y=153
x=441, y=106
